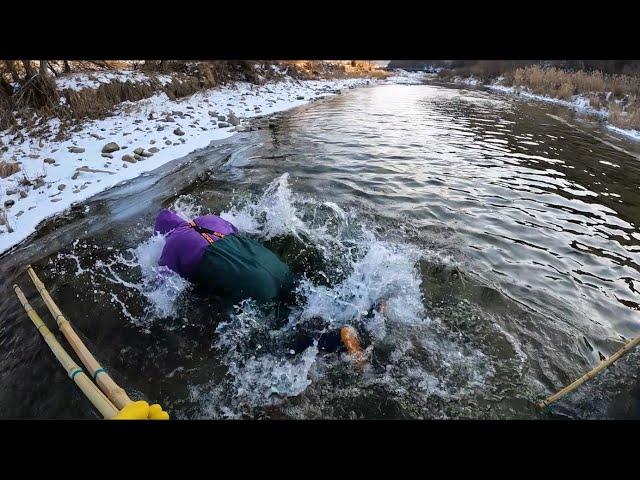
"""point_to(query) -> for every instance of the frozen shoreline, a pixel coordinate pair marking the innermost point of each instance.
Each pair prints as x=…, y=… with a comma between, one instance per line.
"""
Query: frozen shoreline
x=55, y=175
x=578, y=103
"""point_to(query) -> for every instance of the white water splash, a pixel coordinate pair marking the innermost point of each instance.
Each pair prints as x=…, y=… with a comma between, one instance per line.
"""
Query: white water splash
x=158, y=285
x=271, y=215
x=387, y=272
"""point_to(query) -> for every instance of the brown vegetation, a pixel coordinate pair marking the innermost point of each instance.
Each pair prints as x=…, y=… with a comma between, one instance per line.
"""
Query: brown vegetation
x=619, y=93
x=28, y=94
x=623, y=101
x=8, y=168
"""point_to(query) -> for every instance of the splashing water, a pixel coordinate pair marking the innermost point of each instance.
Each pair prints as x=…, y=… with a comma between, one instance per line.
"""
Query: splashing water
x=271, y=215
x=262, y=371
x=361, y=272
x=137, y=270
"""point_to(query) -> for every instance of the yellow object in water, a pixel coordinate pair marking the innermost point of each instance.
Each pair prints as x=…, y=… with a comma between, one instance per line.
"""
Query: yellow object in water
x=141, y=410
x=134, y=411
x=156, y=413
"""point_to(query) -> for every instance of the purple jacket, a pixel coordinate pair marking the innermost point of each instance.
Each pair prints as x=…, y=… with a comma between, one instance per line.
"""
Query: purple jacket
x=184, y=246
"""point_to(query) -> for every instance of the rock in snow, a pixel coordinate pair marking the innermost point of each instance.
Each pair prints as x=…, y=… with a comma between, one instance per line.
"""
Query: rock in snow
x=110, y=147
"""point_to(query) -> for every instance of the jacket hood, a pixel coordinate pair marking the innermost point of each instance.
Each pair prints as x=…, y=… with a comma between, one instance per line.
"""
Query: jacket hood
x=167, y=221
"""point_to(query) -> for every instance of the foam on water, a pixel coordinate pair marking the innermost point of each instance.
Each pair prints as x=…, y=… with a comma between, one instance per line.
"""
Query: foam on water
x=271, y=215
x=262, y=371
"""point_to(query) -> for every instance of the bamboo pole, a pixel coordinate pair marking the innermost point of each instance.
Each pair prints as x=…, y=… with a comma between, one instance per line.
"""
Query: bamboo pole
x=111, y=389
x=95, y=396
x=591, y=373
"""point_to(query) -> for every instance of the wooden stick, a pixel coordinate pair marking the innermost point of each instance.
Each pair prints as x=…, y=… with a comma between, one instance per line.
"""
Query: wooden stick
x=591, y=373
x=95, y=396
x=115, y=393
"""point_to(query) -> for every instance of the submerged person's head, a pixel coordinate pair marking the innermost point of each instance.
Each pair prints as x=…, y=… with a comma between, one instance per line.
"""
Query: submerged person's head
x=167, y=220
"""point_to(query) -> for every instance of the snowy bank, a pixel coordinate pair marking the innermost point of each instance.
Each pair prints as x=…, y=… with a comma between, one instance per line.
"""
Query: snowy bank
x=579, y=103
x=403, y=77
x=137, y=138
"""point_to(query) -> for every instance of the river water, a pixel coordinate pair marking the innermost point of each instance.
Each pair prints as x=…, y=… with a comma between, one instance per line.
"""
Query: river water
x=501, y=233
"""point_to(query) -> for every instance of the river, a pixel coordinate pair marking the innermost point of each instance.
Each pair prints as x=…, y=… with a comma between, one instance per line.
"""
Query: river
x=501, y=233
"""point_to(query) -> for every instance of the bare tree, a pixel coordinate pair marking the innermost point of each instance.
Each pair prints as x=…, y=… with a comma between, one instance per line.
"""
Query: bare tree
x=11, y=66
x=52, y=69
x=28, y=69
x=42, y=71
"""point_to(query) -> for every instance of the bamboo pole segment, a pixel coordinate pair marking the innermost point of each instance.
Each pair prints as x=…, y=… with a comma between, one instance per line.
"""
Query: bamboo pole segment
x=95, y=396
x=111, y=389
x=591, y=373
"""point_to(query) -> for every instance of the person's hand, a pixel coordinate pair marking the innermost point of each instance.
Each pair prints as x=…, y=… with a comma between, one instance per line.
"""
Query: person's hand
x=141, y=410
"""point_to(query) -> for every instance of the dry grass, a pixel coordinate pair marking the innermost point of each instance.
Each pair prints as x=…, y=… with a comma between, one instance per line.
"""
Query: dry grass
x=38, y=98
x=619, y=93
x=8, y=168
x=4, y=220
x=623, y=101
x=627, y=118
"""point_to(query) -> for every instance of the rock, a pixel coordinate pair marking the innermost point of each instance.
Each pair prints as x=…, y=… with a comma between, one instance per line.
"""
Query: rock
x=8, y=168
x=167, y=142
x=107, y=155
x=11, y=192
x=56, y=199
x=23, y=194
x=94, y=135
x=128, y=158
x=299, y=97
x=154, y=150
x=9, y=203
x=222, y=118
x=62, y=186
x=110, y=147
x=160, y=128
x=151, y=142
x=50, y=161
x=75, y=176
x=177, y=131
x=213, y=113
x=139, y=151
x=76, y=150
x=233, y=120
x=19, y=213
x=38, y=182
x=222, y=124
x=137, y=157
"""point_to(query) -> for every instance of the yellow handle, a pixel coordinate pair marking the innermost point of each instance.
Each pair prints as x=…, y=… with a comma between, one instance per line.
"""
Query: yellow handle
x=141, y=410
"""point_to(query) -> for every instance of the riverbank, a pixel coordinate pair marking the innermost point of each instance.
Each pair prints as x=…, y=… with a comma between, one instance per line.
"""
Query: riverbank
x=46, y=174
x=612, y=99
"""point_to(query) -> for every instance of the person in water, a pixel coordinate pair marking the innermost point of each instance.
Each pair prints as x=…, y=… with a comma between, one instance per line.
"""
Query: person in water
x=211, y=253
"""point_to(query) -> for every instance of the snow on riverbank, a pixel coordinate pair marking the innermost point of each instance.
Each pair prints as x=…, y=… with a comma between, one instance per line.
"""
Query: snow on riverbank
x=142, y=136
x=404, y=77
x=578, y=103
